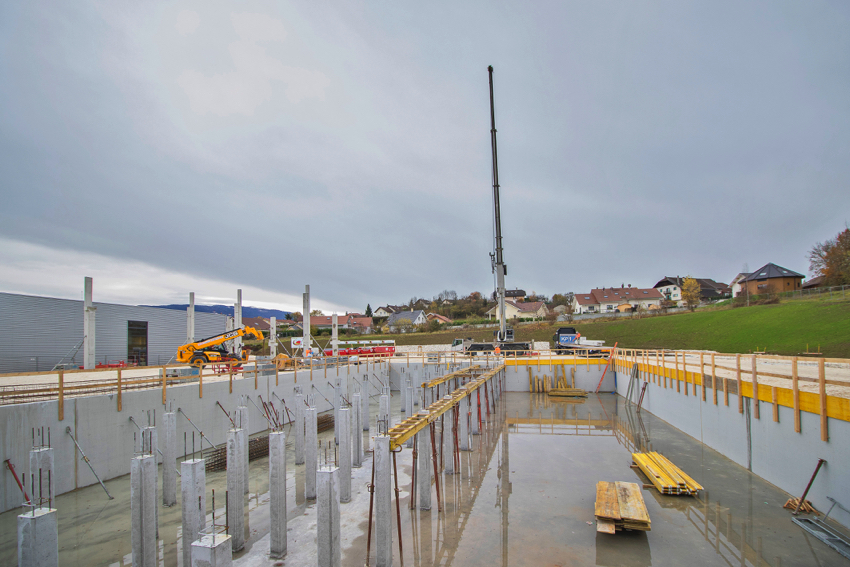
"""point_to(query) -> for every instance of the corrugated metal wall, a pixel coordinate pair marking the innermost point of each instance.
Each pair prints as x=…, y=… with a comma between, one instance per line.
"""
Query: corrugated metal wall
x=36, y=332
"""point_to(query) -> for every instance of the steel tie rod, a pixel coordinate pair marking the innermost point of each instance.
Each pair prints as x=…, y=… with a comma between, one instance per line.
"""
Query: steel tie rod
x=271, y=423
x=196, y=428
x=86, y=459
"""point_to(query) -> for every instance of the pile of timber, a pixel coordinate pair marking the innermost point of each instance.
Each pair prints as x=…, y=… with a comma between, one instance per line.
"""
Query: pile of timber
x=620, y=506
x=568, y=393
x=807, y=506
x=664, y=475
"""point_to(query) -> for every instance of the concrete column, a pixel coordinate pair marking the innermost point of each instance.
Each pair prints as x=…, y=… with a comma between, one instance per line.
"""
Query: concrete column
x=402, y=390
x=312, y=452
x=273, y=337
x=143, y=510
x=190, y=319
x=327, y=520
x=299, y=428
x=449, y=442
x=344, y=454
x=423, y=458
x=383, y=503
x=337, y=405
x=213, y=551
x=150, y=443
x=88, y=327
x=384, y=414
x=277, y=494
x=169, y=459
x=473, y=419
x=463, y=423
x=237, y=320
x=356, y=433
x=410, y=397
x=41, y=459
x=193, y=485
x=364, y=403
x=242, y=422
x=307, y=344
x=38, y=538
x=235, y=488
x=335, y=335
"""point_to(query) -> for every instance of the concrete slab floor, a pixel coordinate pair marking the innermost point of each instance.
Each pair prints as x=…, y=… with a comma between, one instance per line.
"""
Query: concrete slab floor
x=524, y=496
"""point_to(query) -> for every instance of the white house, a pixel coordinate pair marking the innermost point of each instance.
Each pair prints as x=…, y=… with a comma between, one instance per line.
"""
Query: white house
x=406, y=319
x=520, y=310
x=612, y=299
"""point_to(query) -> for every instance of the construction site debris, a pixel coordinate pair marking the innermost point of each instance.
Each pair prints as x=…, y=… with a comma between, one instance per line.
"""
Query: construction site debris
x=568, y=393
x=664, y=475
x=806, y=506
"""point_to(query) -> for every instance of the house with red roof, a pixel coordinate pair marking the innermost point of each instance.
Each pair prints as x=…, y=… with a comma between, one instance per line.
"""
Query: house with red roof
x=612, y=299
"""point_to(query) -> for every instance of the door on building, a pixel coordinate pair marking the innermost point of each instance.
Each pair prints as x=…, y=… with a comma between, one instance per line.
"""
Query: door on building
x=137, y=342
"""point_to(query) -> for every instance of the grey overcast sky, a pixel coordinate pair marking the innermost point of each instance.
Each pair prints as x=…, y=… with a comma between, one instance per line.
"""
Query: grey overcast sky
x=168, y=147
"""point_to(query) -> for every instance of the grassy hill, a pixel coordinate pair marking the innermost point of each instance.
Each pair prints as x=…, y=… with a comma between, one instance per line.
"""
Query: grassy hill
x=786, y=328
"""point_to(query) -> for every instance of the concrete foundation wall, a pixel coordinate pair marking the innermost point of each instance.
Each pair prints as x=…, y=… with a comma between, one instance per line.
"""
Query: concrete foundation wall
x=587, y=375
x=772, y=450
x=106, y=435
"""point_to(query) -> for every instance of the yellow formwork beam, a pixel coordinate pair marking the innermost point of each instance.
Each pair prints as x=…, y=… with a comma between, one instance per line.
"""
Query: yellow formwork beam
x=403, y=431
x=470, y=370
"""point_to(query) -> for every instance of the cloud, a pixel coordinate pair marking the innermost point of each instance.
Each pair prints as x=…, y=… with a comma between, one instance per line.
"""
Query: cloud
x=187, y=22
x=258, y=27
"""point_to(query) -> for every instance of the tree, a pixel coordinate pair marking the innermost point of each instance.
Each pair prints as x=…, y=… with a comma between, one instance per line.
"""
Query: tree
x=368, y=310
x=690, y=292
x=317, y=312
x=831, y=259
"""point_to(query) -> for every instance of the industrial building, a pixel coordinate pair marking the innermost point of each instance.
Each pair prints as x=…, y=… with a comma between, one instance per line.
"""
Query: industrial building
x=40, y=332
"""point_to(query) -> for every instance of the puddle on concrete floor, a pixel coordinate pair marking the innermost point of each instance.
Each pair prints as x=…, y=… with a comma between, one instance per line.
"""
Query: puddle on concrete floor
x=524, y=496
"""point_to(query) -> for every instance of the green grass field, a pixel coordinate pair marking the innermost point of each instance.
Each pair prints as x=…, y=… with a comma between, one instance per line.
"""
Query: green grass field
x=787, y=328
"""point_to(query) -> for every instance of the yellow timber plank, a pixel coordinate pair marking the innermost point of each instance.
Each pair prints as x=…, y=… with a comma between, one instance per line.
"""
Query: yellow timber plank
x=632, y=507
x=607, y=503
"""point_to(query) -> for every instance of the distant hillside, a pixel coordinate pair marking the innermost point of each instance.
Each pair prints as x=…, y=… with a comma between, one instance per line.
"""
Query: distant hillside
x=228, y=310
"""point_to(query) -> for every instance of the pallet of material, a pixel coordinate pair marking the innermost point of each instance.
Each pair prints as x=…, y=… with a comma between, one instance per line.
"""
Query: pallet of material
x=664, y=475
x=620, y=506
x=568, y=393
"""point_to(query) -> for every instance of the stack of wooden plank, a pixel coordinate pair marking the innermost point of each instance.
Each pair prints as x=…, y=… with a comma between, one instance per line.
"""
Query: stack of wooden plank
x=568, y=393
x=620, y=506
x=664, y=475
x=807, y=506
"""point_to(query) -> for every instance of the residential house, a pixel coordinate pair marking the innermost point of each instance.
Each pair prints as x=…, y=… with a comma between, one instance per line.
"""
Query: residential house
x=356, y=322
x=709, y=290
x=515, y=295
x=736, y=284
x=262, y=325
x=406, y=319
x=437, y=317
x=813, y=283
x=520, y=310
x=387, y=310
x=611, y=299
x=771, y=278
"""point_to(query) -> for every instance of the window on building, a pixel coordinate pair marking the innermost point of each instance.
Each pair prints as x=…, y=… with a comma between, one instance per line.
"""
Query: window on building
x=137, y=342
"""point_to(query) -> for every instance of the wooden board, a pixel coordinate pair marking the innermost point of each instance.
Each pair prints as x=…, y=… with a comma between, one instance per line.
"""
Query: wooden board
x=632, y=507
x=605, y=526
x=607, y=502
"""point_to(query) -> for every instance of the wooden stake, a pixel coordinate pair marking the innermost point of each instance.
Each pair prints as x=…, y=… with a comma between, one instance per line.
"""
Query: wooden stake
x=756, y=386
x=775, y=400
x=61, y=394
x=824, y=427
x=714, y=378
x=795, y=388
x=738, y=377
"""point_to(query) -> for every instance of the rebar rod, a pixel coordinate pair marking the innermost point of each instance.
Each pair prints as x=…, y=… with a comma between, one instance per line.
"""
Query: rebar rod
x=397, y=507
x=196, y=428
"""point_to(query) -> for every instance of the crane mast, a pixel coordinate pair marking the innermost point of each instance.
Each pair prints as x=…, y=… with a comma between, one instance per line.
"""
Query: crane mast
x=497, y=260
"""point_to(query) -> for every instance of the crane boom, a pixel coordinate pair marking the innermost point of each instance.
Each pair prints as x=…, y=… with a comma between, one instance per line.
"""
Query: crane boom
x=499, y=263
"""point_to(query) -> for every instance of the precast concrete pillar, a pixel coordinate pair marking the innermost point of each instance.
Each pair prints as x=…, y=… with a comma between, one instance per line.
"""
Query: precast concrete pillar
x=38, y=538
x=277, y=494
x=344, y=454
x=89, y=333
x=410, y=396
x=384, y=414
x=463, y=423
x=311, y=452
x=143, y=510
x=329, y=545
x=272, y=337
x=42, y=468
x=190, y=319
x=299, y=428
x=402, y=390
x=243, y=422
x=237, y=320
x=356, y=433
x=169, y=459
x=449, y=442
x=475, y=401
x=383, y=503
x=364, y=403
x=334, y=335
x=337, y=406
x=150, y=444
x=307, y=343
x=423, y=458
x=213, y=550
x=193, y=486
x=235, y=488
